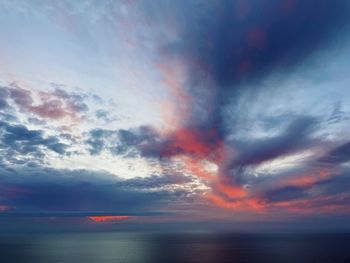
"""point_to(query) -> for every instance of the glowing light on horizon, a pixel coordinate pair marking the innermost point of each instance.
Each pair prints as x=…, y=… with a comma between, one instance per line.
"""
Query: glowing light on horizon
x=100, y=219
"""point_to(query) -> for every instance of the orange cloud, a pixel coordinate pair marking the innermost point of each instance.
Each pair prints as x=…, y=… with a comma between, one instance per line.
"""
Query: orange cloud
x=188, y=142
x=100, y=219
x=309, y=179
x=196, y=168
x=231, y=191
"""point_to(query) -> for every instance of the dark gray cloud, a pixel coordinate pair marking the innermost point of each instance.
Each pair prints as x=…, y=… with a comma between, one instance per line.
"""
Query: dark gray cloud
x=296, y=136
x=339, y=155
x=3, y=98
x=123, y=142
x=234, y=42
x=330, y=192
x=227, y=45
x=287, y=193
x=96, y=140
x=75, y=100
x=18, y=142
x=234, y=38
x=103, y=115
x=39, y=189
x=20, y=96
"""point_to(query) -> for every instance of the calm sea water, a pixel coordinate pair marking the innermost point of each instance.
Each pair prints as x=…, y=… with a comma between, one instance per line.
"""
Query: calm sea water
x=146, y=247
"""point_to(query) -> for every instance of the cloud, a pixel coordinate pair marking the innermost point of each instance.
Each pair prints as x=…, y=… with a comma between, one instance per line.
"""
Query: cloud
x=103, y=115
x=227, y=49
x=221, y=54
x=286, y=194
x=18, y=142
x=54, y=105
x=234, y=39
x=155, y=181
x=231, y=118
x=100, y=219
x=294, y=138
x=3, y=98
x=122, y=142
x=73, y=99
x=46, y=190
x=339, y=155
x=324, y=195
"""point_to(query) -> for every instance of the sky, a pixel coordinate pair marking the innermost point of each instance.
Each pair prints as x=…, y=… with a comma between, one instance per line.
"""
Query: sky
x=170, y=114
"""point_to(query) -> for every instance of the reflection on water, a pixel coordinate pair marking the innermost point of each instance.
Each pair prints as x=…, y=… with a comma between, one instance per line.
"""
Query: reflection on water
x=206, y=248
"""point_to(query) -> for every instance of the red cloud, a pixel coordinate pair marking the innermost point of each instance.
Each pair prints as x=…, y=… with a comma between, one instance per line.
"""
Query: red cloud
x=100, y=219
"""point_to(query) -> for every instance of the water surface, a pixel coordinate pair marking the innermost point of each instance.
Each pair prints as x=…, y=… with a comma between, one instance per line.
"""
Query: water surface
x=147, y=247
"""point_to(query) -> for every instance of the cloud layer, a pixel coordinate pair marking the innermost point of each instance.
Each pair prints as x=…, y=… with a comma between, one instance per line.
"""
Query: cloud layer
x=251, y=118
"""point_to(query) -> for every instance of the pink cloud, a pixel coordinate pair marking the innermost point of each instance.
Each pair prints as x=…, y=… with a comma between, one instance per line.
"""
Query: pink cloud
x=102, y=219
x=54, y=105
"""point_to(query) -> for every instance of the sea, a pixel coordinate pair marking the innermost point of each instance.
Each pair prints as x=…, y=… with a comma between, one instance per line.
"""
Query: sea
x=130, y=247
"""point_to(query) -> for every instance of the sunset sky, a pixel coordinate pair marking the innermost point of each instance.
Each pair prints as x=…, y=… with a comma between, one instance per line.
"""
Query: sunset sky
x=138, y=113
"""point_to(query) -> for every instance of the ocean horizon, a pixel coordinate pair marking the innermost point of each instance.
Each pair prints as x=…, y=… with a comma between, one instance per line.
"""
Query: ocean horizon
x=134, y=247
